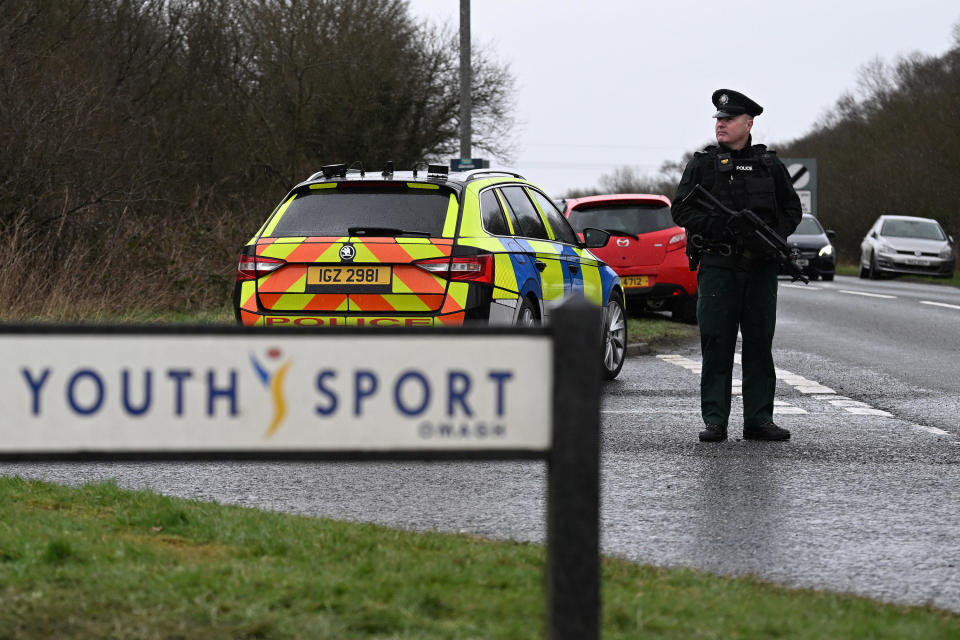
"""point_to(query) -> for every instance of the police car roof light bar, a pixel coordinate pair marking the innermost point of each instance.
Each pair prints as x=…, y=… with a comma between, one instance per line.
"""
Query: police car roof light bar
x=334, y=170
x=438, y=171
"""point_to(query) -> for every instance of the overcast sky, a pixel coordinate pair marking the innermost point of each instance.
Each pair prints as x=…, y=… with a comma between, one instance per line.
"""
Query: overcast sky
x=608, y=83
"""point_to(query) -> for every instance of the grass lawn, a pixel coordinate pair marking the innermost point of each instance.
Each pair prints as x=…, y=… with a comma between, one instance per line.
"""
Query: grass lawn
x=854, y=270
x=99, y=562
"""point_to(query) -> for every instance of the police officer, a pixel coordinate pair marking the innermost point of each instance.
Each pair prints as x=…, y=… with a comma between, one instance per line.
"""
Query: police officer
x=737, y=281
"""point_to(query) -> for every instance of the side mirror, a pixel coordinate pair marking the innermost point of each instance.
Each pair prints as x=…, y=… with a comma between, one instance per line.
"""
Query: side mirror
x=831, y=234
x=594, y=238
x=873, y=234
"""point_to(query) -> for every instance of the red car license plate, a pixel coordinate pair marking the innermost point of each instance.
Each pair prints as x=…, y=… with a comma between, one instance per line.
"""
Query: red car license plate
x=635, y=281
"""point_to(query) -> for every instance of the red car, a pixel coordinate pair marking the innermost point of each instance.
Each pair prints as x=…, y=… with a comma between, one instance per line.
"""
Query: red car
x=648, y=250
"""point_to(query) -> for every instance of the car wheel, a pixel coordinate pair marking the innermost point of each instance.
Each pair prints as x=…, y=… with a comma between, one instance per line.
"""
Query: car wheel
x=685, y=310
x=874, y=272
x=527, y=316
x=863, y=270
x=827, y=277
x=614, y=347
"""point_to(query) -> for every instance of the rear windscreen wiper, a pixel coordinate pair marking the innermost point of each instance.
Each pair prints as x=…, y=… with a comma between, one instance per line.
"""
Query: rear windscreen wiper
x=626, y=234
x=384, y=231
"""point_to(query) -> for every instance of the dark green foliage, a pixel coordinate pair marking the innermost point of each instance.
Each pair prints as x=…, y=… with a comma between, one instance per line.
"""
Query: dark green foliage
x=893, y=147
x=143, y=141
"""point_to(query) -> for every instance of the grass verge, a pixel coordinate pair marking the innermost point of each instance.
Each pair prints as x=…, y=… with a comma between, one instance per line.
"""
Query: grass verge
x=97, y=561
x=854, y=270
x=658, y=330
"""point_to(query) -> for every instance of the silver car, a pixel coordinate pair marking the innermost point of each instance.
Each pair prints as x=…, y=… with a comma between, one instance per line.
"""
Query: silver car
x=906, y=244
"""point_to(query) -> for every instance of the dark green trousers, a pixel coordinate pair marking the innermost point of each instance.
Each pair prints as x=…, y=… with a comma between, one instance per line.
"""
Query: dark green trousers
x=729, y=301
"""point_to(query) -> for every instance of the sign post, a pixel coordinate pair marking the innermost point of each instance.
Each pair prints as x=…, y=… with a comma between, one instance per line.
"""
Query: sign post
x=803, y=173
x=235, y=393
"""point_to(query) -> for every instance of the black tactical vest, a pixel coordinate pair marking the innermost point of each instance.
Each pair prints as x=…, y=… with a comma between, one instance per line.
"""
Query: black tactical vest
x=743, y=182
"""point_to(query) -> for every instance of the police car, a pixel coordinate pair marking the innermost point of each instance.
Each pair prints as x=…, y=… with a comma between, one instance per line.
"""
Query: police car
x=423, y=248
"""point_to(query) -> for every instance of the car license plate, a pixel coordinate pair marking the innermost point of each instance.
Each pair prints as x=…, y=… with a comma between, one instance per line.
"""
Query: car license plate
x=635, y=281
x=349, y=276
x=802, y=262
x=917, y=262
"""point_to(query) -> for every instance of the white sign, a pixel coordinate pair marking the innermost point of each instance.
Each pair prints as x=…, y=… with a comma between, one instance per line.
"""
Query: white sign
x=175, y=392
x=805, y=200
x=799, y=174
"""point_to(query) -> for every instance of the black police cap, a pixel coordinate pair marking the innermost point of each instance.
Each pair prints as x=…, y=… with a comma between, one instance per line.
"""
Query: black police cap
x=731, y=103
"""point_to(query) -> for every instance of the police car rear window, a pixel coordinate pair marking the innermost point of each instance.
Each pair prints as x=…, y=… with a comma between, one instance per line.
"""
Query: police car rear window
x=332, y=212
x=632, y=218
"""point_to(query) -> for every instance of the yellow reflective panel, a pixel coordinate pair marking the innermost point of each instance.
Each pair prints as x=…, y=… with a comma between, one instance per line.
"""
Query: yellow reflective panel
x=503, y=273
x=450, y=224
x=276, y=217
x=324, y=185
x=458, y=291
x=420, y=185
x=406, y=302
x=363, y=253
x=551, y=278
x=541, y=246
x=422, y=251
x=248, y=289
x=592, y=283
x=278, y=250
x=470, y=225
x=492, y=244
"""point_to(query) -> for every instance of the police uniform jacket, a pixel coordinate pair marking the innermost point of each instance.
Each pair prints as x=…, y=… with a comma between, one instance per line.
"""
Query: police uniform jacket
x=749, y=178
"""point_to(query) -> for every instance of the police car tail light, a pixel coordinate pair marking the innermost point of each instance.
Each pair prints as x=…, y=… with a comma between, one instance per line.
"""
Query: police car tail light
x=467, y=268
x=677, y=241
x=252, y=267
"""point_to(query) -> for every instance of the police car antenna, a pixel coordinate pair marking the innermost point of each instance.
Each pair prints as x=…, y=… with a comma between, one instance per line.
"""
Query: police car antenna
x=357, y=163
x=387, y=169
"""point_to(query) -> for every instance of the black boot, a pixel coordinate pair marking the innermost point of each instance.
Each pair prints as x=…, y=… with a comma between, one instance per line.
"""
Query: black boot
x=713, y=433
x=766, y=431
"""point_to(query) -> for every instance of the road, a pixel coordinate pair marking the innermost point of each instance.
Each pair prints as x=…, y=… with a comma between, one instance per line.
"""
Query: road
x=863, y=499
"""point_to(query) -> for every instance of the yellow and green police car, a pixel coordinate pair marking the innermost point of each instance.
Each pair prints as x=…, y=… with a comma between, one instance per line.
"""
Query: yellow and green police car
x=422, y=248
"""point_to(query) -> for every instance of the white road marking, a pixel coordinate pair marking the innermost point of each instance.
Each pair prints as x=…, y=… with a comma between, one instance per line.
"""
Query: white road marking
x=864, y=293
x=810, y=388
x=664, y=410
x=940, y=304
x=868, y=411
x=933, y=430
x=805, y=287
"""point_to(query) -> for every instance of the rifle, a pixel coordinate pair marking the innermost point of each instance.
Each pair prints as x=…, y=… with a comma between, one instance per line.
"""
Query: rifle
x=753, y=225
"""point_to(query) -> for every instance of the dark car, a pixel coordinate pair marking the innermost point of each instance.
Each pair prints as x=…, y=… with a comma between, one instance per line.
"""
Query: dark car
x=818, y=258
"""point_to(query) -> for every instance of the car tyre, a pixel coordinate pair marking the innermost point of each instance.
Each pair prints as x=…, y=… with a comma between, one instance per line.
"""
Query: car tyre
x=863, y=270
x=874, y=273
x=685, y=310
x=527, y=316
x=827, y=277
x=613, y=350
